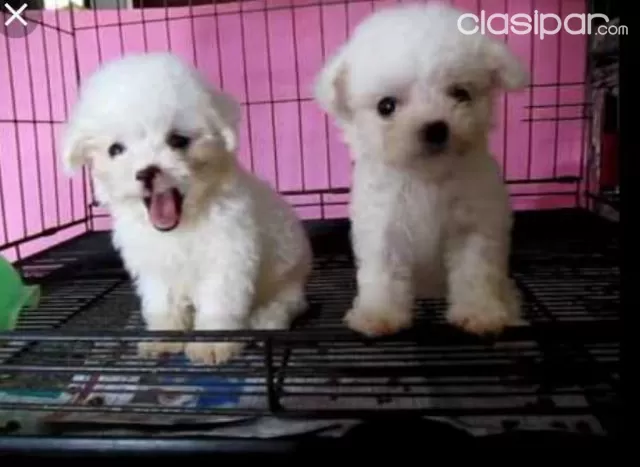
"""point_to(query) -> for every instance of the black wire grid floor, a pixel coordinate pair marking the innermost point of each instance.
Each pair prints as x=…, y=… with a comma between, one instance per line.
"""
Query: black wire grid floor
x=563, y=367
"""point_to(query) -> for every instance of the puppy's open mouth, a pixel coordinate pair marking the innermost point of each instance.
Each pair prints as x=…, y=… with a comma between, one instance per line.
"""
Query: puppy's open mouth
x=164, y=208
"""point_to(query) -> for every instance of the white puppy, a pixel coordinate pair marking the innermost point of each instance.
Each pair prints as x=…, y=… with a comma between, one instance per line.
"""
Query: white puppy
x=209, y=246
x=430, y=212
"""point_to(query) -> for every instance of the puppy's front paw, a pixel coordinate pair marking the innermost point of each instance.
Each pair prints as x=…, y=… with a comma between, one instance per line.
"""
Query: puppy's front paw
x=212, y=353
x=487, y=313
x=488, y=317
x=158, y=349
x=378, y=321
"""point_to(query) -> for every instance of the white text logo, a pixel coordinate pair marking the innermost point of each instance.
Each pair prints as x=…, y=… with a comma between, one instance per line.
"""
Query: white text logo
x=541, y=24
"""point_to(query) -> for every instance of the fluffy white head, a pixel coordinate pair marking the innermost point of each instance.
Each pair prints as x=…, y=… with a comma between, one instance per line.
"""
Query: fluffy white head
x=409, y=87
x=155, y=135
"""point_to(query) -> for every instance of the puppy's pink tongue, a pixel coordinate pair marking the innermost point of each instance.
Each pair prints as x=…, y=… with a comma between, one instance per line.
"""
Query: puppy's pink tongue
x=164, y=210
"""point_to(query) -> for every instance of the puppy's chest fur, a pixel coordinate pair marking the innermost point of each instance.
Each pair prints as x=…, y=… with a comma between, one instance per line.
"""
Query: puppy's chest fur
x=409, y=219
x=182, y=256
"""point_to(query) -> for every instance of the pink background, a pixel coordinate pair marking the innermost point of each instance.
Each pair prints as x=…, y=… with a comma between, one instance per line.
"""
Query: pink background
x=266, y=53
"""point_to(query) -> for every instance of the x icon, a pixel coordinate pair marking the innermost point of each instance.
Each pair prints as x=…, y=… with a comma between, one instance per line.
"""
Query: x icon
x=15, y=14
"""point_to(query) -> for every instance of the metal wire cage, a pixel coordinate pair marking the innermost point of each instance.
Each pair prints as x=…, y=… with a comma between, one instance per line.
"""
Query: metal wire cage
x=70, y=368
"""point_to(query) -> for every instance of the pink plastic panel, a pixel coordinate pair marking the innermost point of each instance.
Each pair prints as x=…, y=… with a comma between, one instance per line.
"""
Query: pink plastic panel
x=267, y=53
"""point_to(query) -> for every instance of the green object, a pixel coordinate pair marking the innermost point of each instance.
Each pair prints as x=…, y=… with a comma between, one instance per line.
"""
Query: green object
x=14, y=295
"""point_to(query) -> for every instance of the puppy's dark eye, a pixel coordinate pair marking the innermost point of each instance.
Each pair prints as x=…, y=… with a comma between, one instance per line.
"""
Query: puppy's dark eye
x=386, y=106
x=116, y=149
x=177, y=141
x=460, y=94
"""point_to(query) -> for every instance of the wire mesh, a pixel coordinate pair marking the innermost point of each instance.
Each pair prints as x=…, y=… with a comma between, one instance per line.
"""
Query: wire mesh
x=563, y=366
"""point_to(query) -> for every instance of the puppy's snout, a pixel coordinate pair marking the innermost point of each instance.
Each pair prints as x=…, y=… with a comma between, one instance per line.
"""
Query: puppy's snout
x=435, y=133
x=147, y=174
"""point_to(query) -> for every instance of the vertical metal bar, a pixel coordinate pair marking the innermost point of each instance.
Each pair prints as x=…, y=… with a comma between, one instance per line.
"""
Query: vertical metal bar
x=97, y=29
x=531, y=91
x=557, y=100
x=193, y=34
x=120, y=33
x=272, y=104
x=145, y=39
x=167, y=28
x=56, y=194
x=89, y=179
x=505, y=120
x=272, y=398
x=298, y=98
x=65, y=101
x=246, y=86
x=218, y=46
x=325, y=118
x=347, y=23
x=35, y=133
x=5, y=224
x=586, y=153
x=88, y=213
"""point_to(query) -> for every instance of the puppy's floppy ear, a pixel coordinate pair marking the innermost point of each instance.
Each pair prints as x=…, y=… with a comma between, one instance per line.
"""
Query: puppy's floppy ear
x=508, y=71
x=223, y=113
x=330, y=90
x=74, y=150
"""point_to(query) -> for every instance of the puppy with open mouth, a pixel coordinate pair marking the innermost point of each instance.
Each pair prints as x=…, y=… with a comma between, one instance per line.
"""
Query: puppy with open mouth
x=209, y=245
x=162, y=199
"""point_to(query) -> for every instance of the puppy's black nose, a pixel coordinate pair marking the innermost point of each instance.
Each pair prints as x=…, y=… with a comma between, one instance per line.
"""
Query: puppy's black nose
x=147, y=174
x=435, y=133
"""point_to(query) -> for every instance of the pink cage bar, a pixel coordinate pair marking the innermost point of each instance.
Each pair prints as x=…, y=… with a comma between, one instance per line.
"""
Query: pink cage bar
x=266, y=53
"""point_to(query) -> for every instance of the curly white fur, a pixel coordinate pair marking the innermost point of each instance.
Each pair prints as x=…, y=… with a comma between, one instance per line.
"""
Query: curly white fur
x=430, y=214
x=238, y=256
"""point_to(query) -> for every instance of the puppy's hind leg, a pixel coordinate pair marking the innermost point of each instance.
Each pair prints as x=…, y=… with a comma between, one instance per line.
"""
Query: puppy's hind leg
x=161, y=312
x=282, y=310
